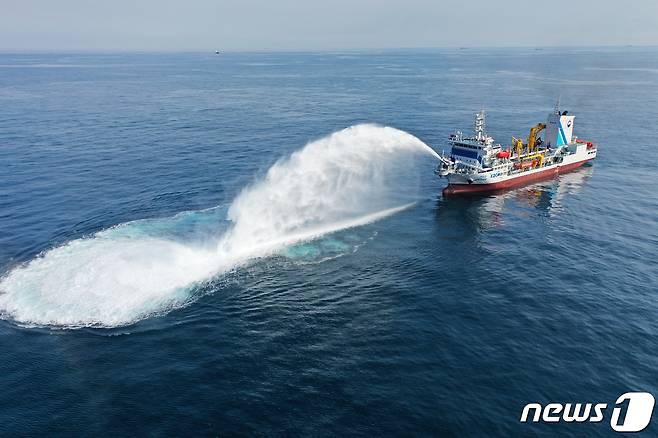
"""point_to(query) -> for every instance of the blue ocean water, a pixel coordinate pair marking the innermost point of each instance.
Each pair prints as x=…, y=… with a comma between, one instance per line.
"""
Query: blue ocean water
x=443, y=318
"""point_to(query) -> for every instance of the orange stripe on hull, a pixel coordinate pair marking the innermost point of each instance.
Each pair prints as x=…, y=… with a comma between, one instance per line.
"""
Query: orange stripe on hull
x=465, y=189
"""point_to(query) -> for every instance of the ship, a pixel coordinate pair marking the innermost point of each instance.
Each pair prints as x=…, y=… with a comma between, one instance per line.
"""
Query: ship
x=476, y=164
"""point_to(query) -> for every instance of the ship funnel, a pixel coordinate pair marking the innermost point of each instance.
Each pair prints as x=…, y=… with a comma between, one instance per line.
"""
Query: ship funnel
x=559, y=128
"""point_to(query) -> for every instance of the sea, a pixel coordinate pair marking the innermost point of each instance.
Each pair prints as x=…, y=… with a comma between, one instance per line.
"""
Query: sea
x=256, y=244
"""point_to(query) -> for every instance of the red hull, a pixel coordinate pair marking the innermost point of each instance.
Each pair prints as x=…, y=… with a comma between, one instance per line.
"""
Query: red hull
x=463, y=189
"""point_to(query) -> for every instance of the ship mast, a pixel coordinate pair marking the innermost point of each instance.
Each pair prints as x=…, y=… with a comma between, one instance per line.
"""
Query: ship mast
x=480, y=125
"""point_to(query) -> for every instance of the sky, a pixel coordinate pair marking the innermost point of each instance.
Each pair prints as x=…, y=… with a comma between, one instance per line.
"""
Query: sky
x=199, y=25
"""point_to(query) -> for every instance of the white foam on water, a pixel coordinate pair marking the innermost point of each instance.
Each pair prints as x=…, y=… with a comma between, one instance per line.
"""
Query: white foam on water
x=114, y=277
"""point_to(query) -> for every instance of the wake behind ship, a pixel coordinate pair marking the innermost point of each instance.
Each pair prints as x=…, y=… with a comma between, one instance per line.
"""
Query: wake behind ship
x=477, y=165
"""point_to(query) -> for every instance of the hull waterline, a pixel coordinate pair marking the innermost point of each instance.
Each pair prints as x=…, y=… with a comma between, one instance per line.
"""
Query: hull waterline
x=513, y=182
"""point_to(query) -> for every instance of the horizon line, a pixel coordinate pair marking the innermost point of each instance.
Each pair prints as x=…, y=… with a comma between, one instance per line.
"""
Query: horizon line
x=314, y=50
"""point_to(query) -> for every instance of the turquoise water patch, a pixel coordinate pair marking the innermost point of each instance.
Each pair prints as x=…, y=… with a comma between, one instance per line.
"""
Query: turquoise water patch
x=189, y=226
x=323, y=249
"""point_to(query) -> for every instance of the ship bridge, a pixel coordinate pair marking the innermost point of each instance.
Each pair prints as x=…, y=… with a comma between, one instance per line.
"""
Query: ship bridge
x=472, y=150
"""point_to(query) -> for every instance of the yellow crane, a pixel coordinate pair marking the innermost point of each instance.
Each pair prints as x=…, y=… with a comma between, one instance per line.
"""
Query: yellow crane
x=517, y=144
x=532, y=137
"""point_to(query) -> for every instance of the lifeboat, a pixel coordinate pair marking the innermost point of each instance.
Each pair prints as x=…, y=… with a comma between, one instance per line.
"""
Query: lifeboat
x=589, y=144
x=503, y=154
